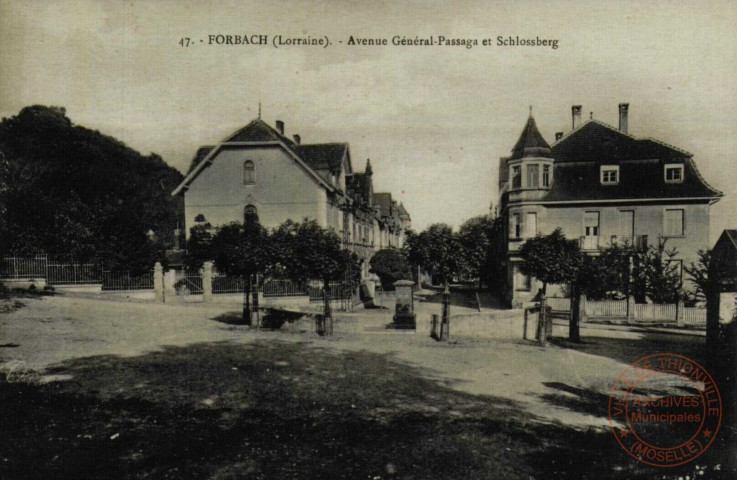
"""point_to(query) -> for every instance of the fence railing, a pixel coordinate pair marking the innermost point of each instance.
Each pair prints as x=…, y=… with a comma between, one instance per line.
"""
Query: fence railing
x=641, y=312
x=72, y=274
x=608, y=308
x=126, y=280
x=283, y=288
x=650, y=312
x=694, y=316
x=559, y=304
x=23, y=267
x=336, y=291
x=191, y=283
x=224, y=284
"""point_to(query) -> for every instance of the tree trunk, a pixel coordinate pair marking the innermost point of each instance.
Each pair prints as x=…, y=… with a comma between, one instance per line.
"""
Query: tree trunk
x=574, y=333
x=712, y=319
x=328, y=316
x=246, y=300
x=254, y=291
x=543, y=318
x=445, y=321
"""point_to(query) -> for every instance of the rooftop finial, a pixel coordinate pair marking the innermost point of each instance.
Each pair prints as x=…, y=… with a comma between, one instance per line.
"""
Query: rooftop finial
x=530, y=110
x=259, y=109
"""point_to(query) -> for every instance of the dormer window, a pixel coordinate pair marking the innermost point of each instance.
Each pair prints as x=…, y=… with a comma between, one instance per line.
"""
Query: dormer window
x=673, y=173
x=610, y=175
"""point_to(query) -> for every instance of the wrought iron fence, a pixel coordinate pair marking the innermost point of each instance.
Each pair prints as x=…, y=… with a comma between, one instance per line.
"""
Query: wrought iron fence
x=23, y=267
x=283, y=288
x=224, y=284
x=72, y=274
x=190, y=283
x=336, y=291
x=127, y=280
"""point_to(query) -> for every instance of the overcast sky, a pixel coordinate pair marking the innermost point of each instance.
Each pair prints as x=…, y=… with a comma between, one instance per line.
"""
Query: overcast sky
x=433, y=120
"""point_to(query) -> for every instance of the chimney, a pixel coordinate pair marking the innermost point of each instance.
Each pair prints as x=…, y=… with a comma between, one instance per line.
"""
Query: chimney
x=297, y=139
x=576, y=116
x=623, y=109
x=280, y=126
x=558, y=136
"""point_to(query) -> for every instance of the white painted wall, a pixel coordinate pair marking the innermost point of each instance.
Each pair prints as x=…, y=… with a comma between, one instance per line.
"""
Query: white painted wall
x=283, y=189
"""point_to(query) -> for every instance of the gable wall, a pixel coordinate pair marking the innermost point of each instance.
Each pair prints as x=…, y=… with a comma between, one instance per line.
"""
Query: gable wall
x=283, y=189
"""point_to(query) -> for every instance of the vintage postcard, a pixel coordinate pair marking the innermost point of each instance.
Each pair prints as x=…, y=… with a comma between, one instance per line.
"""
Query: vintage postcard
x=368, y=240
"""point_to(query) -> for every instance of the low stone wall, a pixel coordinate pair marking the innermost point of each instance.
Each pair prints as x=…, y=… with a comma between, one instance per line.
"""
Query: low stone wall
x=130, y=294
x=24, y=283
x=85, y=288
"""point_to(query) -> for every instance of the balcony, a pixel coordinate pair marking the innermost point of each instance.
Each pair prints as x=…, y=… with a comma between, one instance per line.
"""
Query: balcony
x=637, y=241
x=589, y=242
x=599, y=242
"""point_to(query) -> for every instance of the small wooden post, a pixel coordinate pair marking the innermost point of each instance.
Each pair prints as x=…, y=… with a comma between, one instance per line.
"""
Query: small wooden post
x=680, y=313
x=445, y=322
x=524, y=328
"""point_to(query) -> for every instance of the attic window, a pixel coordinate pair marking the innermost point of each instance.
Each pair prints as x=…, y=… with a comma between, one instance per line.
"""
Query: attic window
x=674, y=174
x=610, y=175
x=249, y=173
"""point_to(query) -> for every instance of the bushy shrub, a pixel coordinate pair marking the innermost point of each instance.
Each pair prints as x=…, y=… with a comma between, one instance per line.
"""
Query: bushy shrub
x=390, y=265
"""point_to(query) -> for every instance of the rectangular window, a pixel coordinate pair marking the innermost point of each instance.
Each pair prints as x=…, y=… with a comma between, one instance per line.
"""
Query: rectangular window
x=546, y=176
x=516, y=177
x=673, y=222
x=591, y=224
x=514, y=226
x=531, y=225
x=626, y=225
x=521, y=282
x=532, y=176
x=673, y=173
x=610, y=175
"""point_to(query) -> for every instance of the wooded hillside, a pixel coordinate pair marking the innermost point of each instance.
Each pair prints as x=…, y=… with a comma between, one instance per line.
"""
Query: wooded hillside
x=72, y=192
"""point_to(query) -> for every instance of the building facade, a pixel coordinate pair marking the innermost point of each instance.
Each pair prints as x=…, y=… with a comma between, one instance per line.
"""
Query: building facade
x=601, y=186
x=259, y=174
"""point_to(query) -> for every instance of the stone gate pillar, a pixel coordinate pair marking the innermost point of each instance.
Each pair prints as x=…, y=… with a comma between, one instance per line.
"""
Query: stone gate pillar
x=158, y=282
x=207, y=282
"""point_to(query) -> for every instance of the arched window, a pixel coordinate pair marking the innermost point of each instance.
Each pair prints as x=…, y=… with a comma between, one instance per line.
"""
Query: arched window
x=250, y=215
x=249, y=172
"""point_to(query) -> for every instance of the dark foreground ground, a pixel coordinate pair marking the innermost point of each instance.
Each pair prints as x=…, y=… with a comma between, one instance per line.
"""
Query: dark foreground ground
x=285, y=410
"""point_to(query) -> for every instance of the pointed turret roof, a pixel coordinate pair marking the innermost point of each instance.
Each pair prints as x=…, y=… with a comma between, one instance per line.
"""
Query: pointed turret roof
x=531, y=143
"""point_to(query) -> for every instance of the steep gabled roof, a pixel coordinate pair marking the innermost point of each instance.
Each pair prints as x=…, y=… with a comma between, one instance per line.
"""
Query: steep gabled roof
x=258, y=131
x=637, y=180
x=384, y=202
x=531, y=143
x=597, y=141
x=401, y=210
x=730, y=238
x=323, y=156
x=199, y=156
x=359, y=187
x=579, y=155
